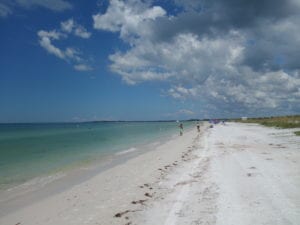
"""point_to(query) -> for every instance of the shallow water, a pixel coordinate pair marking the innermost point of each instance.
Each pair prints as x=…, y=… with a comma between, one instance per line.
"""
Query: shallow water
x=28, y=151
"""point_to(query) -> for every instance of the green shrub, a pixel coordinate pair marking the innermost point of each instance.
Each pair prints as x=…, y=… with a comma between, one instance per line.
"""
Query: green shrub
x=280, y=122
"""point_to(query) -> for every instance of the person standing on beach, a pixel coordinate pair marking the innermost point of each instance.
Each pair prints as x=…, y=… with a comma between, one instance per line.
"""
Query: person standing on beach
x=181, y=129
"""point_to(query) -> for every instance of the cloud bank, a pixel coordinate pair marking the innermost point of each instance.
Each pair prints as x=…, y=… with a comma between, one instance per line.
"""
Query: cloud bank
x=237, y=56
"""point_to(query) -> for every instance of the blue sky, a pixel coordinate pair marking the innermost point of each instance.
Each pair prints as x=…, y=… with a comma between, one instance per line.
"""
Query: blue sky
x=147, y=60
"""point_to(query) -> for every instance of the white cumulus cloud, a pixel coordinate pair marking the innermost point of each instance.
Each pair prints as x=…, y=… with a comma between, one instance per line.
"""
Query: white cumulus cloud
x=235, y=57
x=70, y=26
x=45, y=40
x=128, y=17
x=83, y=67
x=69, y=54
x=80, y=31
x=184, y=59
x=67, y=26
x=47, y=37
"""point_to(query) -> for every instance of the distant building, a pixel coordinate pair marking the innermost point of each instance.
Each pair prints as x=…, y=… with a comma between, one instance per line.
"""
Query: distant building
x=244, y=118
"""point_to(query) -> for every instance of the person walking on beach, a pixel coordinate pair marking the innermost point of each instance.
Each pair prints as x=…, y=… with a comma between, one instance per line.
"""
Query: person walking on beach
x=181, y=129
x=198, y=127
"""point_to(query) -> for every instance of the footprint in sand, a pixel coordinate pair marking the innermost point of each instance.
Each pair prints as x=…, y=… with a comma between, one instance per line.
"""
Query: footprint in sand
x=139, y=202
x=148, y=195
x=265, y=153
x=120, y=214
x=185, y=182
x=252, y=174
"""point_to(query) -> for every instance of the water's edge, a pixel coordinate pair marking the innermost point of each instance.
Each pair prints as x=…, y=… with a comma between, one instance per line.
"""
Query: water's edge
x=32, y=151
x=30, y=192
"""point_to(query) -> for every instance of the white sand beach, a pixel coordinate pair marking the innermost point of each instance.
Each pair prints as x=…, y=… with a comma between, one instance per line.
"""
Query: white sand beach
x=230, y=174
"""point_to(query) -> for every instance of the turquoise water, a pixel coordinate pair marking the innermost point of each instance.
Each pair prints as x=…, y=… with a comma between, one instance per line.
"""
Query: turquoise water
x=31, y=150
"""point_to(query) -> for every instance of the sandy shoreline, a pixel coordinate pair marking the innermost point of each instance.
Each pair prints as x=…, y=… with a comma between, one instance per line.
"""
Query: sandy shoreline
x=39, y=188
x=233, y=174
x=113, y=188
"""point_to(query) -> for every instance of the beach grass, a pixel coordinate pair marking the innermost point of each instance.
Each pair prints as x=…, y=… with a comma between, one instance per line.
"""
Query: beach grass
x=279, y=122
x=297, y=133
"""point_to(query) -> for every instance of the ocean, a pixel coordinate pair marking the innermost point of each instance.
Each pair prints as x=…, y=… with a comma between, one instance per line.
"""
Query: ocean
x=28, y=151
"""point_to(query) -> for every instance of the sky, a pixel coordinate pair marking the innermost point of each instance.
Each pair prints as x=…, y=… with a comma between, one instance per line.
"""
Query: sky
x=70, y=61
